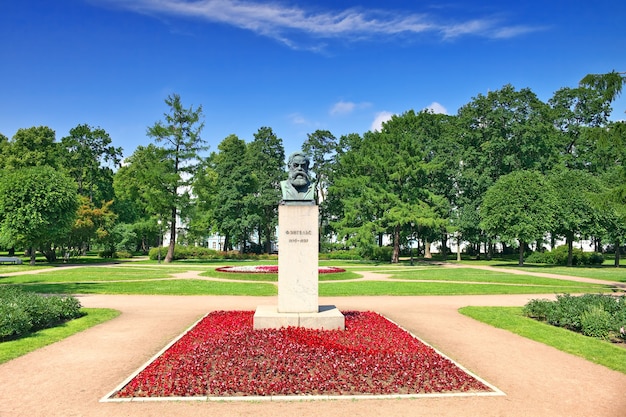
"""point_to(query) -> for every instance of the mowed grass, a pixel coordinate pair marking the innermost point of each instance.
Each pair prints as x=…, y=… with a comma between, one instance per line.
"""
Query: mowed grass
x=477, y=275
x=426, y=279
x=156, y=287
x=510, y=318
x=93, y=316
x=446, y=288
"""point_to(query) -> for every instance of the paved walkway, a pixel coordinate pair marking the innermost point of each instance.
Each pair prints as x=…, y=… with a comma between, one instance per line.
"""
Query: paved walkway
x=69, y=378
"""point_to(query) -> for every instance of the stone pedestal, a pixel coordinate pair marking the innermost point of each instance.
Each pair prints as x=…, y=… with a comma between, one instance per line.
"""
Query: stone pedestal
x=298, y=305
x=298, y=242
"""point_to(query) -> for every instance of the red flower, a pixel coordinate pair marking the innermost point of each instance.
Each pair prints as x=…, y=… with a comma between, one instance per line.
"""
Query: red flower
x=223, y=356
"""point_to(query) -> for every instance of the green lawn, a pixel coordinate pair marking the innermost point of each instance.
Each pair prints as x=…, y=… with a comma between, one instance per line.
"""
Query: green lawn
x=156, y=287
x=144, y=278
x=476, y=275
x=444, y=288
x=33, y=341
x=511, y=319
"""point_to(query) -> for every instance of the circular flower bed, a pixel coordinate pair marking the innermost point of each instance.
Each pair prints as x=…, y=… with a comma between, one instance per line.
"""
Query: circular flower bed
x=272, y=269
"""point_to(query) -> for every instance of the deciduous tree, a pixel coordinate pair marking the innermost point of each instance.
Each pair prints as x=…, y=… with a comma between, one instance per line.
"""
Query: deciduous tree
x=519, y=206
x=37, y=209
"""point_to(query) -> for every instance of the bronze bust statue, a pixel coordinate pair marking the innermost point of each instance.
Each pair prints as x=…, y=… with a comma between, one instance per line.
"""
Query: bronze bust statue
x=298, y=187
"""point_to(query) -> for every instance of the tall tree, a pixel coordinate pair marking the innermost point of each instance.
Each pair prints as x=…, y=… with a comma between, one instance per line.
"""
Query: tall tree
x=519, y=206
x=500, y=132
x=39, y=213
x=90, y=159
x=35, y=146
x=235, y=187
x=384, y=184
x=321, y=146
x=179, y=134
x=266, y=156
x=142, y=196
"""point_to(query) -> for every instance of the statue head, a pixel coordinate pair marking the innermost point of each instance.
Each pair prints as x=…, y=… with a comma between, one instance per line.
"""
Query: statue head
x=298, y=165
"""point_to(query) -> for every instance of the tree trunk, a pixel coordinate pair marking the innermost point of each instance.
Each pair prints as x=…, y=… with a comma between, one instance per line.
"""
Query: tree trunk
x=617, y=253
x=33, y=256
x=444, y=246
x=521, y=253
x=427, y=253
x=395, y=257
x=170, y=250
x=570, y=248
x=458, y=248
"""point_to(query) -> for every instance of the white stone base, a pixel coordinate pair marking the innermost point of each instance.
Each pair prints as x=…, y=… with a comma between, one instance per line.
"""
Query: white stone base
x=326, y=318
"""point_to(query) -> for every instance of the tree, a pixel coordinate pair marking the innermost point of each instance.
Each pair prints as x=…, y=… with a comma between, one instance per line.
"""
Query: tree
x=89, y=158
x=235, y=188
x=519, y=206
x=92, y=223
x=266, y=158
x=609, y=84
x=34, y=146
x=321, y=146
x=383, y=185
x=143, y=190
x=575, y=211
x=574, y=110
x=38, y=213
x=501, y=132
x=180, y=134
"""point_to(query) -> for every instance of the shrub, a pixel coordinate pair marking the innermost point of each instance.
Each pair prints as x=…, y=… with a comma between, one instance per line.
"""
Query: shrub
x=21, y=312
x=596, y=322
x=14, y=320
x=200, y=252
x=341, y=255
x=538, y=309
x=382, y=253
x=559, y=255
x=597, y=315
x=541, y=258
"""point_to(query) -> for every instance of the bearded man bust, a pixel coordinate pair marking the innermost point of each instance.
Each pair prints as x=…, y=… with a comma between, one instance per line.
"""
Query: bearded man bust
x=298, y=187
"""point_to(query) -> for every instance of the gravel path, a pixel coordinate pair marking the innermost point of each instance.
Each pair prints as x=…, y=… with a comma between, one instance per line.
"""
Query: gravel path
x=70, y=377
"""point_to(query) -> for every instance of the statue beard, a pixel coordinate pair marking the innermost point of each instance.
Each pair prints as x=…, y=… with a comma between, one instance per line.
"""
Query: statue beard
x=299, y=179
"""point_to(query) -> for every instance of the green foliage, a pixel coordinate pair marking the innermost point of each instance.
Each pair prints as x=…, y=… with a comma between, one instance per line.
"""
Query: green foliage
x=595, y=315
x=559, y=256
x=351, y=254
x=37, y=207
x=31, y=147
x=596, y=322
x=186, y=252
x=180, y=135
x=21, y=312
x=519, y=206
x=89, y=158
x=115, y=254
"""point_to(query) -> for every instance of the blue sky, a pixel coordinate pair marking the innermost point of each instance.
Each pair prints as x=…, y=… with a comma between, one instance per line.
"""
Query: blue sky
x=293, y=65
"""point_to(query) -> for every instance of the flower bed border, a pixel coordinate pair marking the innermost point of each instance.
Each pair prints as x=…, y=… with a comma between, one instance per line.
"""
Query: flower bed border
x=110, y=397
x=271, y=269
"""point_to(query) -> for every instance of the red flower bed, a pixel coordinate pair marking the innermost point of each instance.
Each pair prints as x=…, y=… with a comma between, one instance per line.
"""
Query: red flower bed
x=223, y=356
x=272, y=269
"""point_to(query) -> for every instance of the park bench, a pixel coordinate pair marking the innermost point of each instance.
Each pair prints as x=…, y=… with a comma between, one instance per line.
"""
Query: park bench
x=10, y=260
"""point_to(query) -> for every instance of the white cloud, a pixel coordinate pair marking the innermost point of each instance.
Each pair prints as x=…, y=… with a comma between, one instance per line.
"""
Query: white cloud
x=285, y=22
x=341, y=107
x=380, y=118
x=298, y=119
x=437, y=108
